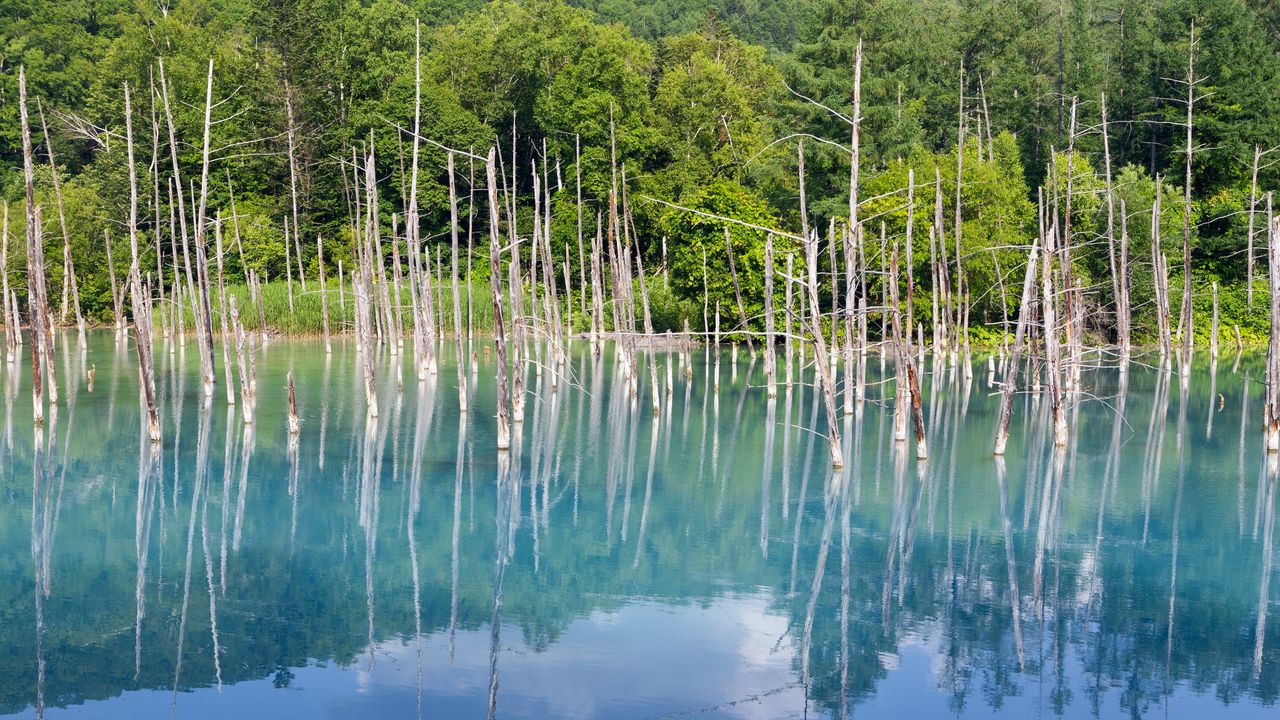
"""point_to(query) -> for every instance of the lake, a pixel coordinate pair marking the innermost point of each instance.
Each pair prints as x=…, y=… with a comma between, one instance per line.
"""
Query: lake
x=701, y=562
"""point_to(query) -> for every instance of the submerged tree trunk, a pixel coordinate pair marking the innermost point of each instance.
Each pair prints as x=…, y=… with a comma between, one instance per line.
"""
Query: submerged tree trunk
x=1271, y=408
x=499, y=328
x=36, y=298
x=1015, y=359
x=141, y=306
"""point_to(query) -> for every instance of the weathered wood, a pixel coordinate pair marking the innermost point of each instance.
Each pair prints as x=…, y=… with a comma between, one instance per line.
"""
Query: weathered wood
x=10, y=313
x=1253, y=208
x=222, y=306
x=363, y=291
x=457, y=307
x=291, y=145
x=1053, y=357
x=324, y=295
x=1185, y=322
x=1015, y=358
x=910, y=273
x=1271, y=405
x=295, y=425
x=111, y=278
x=770, y=356
x=36, y=298
x=1161, y=281
x=68, y=265
x=826, y=381
x=499, y=327
x=248, y=398
x=737, y=290
x=141, y=306
x=1213, y=327
x=851, y=242
x=202, y=267
x=788, y=309
x=1123, y=311
x=1117, y=294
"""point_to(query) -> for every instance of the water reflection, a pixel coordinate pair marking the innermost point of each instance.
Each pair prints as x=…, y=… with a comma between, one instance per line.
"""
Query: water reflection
x=620, y=562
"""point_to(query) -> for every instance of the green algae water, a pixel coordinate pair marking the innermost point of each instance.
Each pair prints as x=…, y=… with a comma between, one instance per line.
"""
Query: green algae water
x=703, y=561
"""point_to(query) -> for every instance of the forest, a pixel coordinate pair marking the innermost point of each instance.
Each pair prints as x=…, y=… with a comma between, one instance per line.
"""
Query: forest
x=700, y=105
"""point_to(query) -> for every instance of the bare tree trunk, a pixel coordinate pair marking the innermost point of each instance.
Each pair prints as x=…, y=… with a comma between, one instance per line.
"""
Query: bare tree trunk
x=825, y=379
x=577, y=180
x=111, y=278
x=10, y=313
x=901, y=357
x=770, y=357
x=1159, y=269
x=1073, y=306
x=958, y=228
x=1184, y=324
x=141, y=306
x=1253, y=207
x=222, y=307
x=202, y=268
x=247, y=392
x=1213, y=327
x=69, y=268
x=363, y=292
x=499, y=328
x=737, y=290
x=292, y=145
x=852, y=240
x=396, y=277
x=457, y=307
x=1122, y=303
x=295, y=425
x=1053, y=357
x=1116, y=294
x=165, y=310
x=324, y=295
x=788, y=309
x=1271, y=408
x=911, y=288
x=288, y=265
x=35, y=264
x=1015, y=359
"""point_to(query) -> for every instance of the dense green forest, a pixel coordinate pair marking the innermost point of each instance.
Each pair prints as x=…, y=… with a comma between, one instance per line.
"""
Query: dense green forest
x=709, y=100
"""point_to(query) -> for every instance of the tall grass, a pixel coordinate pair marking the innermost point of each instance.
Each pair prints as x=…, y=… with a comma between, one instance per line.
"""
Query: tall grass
x=306, y=317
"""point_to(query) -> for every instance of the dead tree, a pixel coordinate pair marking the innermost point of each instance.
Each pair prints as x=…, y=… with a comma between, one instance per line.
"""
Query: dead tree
x=69, y=268
x=1015, y=359
x=10, y=312
x=222, y=307
x=1117, y=294
x=457, y=306
x=1053, y=351
x=324, y=295
x=295, y=425
x=499, y=328
x=770, y=358
x=248, y=399
x=1184, y=324
x=37, y=298
x=141, y=304
x=362, y=291
x=1253, y=207
x=1271, y=407
x=1124, y=316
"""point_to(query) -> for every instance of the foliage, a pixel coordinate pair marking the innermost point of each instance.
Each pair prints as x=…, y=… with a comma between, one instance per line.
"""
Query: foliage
x=692, y=99
x=700, y=253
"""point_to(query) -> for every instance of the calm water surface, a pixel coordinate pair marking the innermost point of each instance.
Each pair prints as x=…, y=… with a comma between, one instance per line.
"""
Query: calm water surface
x=702, y=562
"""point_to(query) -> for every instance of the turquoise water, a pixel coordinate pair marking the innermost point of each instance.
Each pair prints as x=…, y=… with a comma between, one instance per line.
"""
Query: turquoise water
x=702, y=562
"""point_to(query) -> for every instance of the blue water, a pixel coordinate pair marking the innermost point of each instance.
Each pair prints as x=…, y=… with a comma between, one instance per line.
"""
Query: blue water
x=701, y=562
